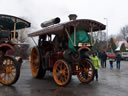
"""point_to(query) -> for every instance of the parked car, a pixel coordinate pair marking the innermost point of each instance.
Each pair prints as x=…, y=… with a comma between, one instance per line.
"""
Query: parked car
x=111, y=55
x=124, y=55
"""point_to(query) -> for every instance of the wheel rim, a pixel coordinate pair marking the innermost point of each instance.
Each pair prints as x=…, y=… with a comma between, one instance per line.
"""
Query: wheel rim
x=34, y=62
x=61, y=73
x=86, y=71
x=8, y=71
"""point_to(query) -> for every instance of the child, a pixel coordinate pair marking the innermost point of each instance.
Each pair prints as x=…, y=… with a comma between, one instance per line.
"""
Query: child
x=96, y=62
x=111, y=60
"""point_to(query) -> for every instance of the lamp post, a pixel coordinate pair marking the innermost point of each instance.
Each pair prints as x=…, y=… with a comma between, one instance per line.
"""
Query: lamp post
x=106, y=30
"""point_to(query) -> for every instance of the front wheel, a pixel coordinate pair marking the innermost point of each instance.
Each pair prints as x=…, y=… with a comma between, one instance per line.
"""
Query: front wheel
x=62, y=72
x=86, y=73
x=9, y=70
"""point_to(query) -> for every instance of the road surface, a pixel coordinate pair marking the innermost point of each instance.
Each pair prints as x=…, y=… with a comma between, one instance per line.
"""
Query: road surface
x=111, y=83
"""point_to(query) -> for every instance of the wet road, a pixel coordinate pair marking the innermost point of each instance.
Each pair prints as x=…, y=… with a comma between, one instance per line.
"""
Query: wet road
x=111, y=83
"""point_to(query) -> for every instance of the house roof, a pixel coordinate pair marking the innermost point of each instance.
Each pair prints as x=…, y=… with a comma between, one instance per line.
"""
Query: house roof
x=120, y=43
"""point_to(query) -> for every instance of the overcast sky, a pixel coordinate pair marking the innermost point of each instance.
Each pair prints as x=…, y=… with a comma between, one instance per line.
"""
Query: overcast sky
x=37, y=11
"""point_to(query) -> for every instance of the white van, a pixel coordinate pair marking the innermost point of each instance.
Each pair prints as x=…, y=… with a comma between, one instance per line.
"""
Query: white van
x=124, y=55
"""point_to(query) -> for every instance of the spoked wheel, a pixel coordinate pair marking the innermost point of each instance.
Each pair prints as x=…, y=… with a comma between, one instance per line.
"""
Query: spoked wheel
x=86, y=73
x=62, y=72
x=36, y=67
x=9, y=70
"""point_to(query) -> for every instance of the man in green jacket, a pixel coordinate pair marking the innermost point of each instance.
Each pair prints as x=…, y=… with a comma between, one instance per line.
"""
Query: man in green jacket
x=96, y=63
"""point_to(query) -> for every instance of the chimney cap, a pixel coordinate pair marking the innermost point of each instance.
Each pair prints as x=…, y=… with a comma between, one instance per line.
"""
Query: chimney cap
x=72, y=16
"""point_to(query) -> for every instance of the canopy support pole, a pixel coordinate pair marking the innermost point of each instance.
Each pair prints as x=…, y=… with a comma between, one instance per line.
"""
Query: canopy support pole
x=69, y=36
x=34, y=41
x=91, y=30
x=14, y=31
x=74, y=36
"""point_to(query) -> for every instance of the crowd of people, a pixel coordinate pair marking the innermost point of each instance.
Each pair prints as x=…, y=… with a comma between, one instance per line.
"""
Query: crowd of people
x=103, y=58
x=99, y=60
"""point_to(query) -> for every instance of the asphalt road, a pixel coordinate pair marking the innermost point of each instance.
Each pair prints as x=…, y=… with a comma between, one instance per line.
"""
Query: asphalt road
x=111, y=83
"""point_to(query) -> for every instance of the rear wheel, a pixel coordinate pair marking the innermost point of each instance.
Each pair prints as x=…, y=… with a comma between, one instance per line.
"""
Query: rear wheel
x=62, y=72
x=9, y=70
x=36, y=67
x=86, y=73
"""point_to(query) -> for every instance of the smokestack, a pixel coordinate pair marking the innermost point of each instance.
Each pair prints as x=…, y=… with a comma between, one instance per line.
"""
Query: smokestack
x=72, y=16
x=50, y=22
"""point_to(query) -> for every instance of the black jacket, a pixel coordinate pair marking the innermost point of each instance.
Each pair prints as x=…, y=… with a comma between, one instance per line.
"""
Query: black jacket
x=104, y=56
x=118, y=57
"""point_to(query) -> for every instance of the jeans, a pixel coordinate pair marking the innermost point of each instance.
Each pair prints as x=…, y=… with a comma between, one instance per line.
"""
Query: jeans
x=111, y=64
x=118, y=64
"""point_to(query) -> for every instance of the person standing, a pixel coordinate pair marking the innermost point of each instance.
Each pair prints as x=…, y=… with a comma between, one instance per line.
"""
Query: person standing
x=103, y=59
x=111, y=60
x=96, y=63
x=118, y=58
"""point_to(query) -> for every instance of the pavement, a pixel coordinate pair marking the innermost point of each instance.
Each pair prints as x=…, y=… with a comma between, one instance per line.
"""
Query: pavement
x=111, y=83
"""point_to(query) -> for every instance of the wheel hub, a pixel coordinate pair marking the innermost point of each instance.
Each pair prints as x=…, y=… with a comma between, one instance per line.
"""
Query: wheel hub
x=8, y=70
x=86, y=71
x=62, y=72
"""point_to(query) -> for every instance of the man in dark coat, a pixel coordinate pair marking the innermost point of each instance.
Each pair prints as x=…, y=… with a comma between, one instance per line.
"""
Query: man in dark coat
x=118, y=58
x=103, y=59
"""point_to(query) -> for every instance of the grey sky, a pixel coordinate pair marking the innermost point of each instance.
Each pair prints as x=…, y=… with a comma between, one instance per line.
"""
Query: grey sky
x=37, y=11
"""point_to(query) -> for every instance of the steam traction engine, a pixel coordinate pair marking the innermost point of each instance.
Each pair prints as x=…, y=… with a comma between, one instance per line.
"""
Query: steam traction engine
x=62, y=49
x=9, y=64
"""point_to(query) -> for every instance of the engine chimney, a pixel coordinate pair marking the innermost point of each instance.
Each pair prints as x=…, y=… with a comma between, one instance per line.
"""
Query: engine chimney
x=50, y=22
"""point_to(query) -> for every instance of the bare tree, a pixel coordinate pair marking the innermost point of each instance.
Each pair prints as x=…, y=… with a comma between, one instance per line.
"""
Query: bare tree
x=99, y=36
x=124, y=32
x=100, y=41
x=119, y=36
x=102, y=36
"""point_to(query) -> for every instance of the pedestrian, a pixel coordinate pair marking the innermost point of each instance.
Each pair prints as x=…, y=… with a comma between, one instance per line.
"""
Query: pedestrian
x=96, y=63
x=118, y=58
x=103, y=59
x=111, y=60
